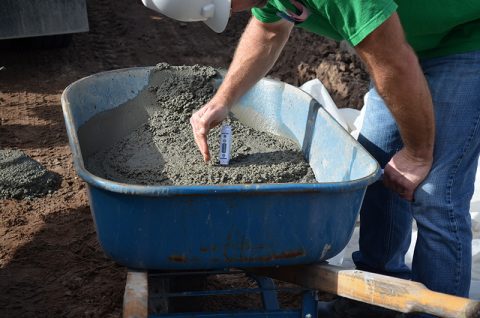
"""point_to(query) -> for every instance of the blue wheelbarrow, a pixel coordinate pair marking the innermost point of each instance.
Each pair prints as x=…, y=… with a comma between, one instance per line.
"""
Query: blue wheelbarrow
x=284, y=231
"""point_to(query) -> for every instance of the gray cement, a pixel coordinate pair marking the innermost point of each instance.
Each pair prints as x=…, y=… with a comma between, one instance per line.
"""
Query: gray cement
x=162, y=151
x=21, y=177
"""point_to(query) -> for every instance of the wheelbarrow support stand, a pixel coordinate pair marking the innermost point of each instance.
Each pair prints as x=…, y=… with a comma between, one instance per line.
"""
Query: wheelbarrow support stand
x=135, y=298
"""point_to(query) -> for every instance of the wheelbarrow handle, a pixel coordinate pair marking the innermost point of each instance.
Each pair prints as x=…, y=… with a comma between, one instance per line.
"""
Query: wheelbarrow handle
x=379, y=290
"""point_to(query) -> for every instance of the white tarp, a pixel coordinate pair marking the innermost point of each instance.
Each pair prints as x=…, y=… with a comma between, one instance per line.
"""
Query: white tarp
x=351, y=120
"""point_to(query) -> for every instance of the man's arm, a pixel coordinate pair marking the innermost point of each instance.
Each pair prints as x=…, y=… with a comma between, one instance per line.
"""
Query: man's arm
x=257, y=51
x=399, y=79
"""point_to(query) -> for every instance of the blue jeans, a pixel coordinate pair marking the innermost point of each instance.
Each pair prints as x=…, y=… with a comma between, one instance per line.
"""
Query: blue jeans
x=442, y=257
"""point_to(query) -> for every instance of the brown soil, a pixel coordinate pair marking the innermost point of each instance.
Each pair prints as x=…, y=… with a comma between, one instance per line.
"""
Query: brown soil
x=50, y=262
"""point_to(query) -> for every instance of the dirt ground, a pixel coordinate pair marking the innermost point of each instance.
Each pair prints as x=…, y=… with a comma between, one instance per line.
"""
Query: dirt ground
x=50, y=262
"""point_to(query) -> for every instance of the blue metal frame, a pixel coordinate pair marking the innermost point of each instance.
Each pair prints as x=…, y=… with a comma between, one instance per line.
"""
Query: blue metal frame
x=268, y=290
x=243, y=314
x=269, y=294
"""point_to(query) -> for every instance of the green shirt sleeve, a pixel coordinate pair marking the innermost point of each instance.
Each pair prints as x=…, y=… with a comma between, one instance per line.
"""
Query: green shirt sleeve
x=354, y=19
x=350, y=20
x=267, y=14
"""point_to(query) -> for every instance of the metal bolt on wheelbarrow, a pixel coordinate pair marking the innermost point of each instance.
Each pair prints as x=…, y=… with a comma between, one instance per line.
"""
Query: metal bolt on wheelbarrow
x=281, y=228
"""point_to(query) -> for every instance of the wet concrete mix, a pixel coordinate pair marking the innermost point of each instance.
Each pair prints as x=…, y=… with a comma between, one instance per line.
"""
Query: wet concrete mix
x=160, y=149
x=22, y=177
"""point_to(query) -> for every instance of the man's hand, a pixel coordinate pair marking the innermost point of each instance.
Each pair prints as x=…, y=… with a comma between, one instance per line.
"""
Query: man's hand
x=207, y=117
x=404, y=172
x=259, y=47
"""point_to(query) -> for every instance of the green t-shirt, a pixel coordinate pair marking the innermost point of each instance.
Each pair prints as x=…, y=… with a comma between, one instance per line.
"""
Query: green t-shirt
x=433, y=28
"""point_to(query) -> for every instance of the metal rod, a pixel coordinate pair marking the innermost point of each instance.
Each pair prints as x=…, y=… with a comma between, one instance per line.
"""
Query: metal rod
x=225, y=292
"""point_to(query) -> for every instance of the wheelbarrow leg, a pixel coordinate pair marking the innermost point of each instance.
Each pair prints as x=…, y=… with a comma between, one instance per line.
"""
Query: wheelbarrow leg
x=270, y=297
x=309, y=305
x=135, y=299
x=269, y=294
x=379, y=290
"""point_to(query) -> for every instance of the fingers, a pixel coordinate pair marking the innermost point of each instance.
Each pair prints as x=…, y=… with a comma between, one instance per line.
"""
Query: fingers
x=200, y=131
x=398, y=183
x=403, y=174
x=202, y=121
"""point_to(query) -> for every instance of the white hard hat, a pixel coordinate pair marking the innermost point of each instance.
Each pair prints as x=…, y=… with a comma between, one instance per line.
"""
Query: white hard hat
x=214, y=13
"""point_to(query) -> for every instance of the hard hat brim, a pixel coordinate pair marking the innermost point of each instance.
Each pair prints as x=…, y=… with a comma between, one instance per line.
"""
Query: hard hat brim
x=219, y=21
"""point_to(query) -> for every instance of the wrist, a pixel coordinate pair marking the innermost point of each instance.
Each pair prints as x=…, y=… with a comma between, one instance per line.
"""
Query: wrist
x=419, y=155
x=219, y=101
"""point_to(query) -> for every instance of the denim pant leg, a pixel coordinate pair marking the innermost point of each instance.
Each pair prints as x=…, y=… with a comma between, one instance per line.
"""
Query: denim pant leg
x=385, y=218
x=442, y=257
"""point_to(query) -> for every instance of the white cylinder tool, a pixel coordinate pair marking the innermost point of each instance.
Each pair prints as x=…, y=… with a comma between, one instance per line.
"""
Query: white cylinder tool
x=225, y=144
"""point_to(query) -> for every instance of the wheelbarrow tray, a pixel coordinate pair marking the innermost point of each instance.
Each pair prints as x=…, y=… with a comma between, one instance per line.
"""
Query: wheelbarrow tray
x=219, y=226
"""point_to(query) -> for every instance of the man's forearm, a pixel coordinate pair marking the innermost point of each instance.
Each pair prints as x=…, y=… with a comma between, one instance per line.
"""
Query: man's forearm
x=257, y=51
x=399, y=79
x=405, y=90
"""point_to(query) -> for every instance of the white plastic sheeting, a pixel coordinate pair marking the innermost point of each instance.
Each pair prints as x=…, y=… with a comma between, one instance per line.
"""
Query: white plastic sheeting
x=351, y=120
